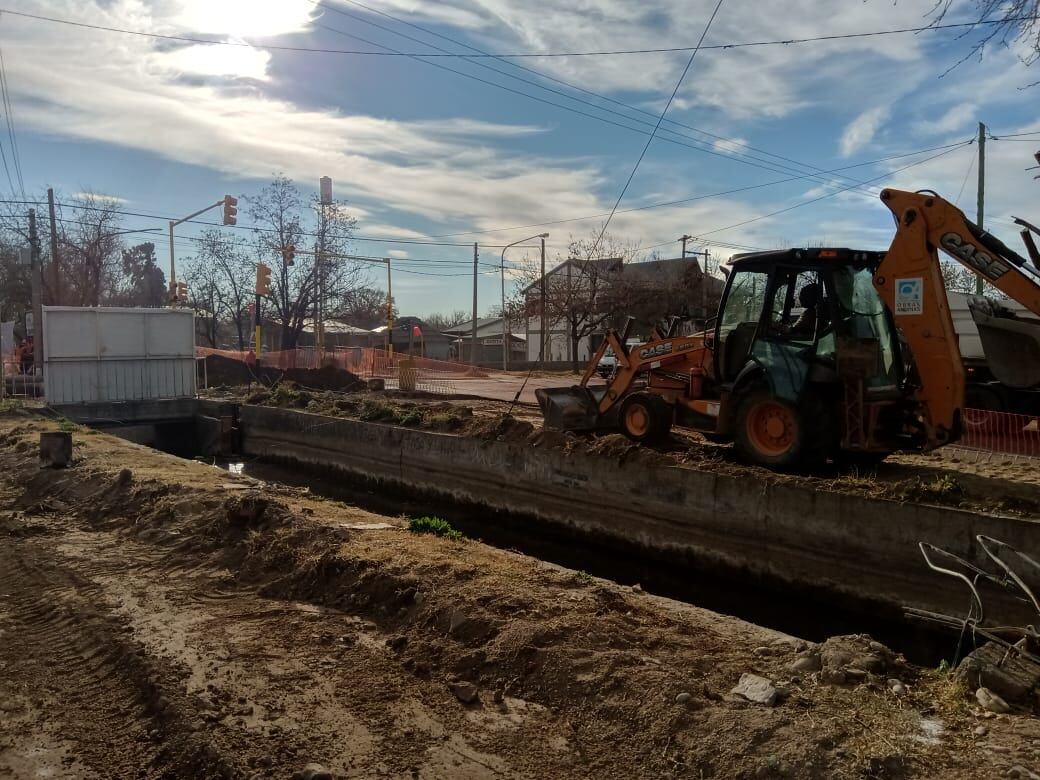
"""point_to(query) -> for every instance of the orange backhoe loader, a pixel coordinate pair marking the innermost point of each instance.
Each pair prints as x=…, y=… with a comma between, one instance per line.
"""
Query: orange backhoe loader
x=823, y=353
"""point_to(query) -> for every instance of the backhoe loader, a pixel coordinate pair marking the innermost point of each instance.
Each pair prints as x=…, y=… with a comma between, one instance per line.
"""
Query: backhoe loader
x=823, y=353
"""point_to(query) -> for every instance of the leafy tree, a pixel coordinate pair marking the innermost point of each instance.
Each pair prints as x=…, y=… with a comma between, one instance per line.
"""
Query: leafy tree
x=143, y=283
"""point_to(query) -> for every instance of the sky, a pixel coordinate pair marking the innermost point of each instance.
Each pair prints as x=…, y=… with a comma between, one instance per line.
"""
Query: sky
x=434, y=154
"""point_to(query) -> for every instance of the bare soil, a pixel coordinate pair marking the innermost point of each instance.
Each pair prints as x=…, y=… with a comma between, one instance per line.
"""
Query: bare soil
x=950, y=477
x=160, y=618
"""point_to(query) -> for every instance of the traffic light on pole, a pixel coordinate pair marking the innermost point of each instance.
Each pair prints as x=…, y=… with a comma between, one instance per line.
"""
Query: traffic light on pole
x=182, y=292
x=288, y=255
x=263, y=280
x=230, y=210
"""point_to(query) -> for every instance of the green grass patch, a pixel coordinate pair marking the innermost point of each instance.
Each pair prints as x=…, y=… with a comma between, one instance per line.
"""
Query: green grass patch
x=433, y=525
x=65, y=425
x=10, y=404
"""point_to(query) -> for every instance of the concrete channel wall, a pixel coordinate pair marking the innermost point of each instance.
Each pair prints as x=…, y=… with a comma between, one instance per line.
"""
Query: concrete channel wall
x=847, y=546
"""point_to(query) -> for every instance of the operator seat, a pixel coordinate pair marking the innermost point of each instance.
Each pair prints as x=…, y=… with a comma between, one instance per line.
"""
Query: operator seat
x=736, y=349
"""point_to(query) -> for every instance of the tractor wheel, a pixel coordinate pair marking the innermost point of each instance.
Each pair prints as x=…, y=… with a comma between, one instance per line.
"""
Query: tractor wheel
x=645, y=417
x=777, y=434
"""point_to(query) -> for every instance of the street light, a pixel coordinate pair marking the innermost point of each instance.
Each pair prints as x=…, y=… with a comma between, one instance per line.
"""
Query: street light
x=505, y=320
x=230, y=211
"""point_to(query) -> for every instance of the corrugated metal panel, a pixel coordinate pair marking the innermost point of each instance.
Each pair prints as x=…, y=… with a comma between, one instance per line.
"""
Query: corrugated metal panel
x=109, y=354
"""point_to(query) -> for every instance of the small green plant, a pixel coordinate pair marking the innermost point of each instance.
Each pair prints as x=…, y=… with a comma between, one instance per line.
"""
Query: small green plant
x=944, y=667
x=374, y=410
x=433, y=525
x=10, y=404
x=412, y=417
x=583, y=577
x=65, y=425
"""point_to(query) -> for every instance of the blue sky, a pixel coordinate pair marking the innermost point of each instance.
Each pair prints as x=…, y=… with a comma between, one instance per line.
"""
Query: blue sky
x=420, y=152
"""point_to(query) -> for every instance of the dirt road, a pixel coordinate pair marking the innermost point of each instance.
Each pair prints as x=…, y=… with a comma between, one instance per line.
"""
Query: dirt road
x=162, y=619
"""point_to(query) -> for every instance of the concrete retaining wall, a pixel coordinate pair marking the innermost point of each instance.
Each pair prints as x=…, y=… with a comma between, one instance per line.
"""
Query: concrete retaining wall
x=842, y=544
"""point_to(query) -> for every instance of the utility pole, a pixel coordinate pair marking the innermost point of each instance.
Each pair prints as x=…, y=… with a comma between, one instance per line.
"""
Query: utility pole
x=473, y=335
x=981, y=192
x=37, y=293
x=541, y=311
x=389, y=311
x=684, y=239
x=55, y=263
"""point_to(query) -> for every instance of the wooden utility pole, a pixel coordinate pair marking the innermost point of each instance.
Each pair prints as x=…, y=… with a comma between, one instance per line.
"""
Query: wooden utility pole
x=55, y=297
x=981, y=192
x=541, y=312
x=684, y=239
x=473, y=336
x=36, y=272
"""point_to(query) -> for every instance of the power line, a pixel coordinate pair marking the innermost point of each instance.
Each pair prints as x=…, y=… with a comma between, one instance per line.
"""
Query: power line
x=543, y=75
x=693, y=198
x=524, y=55
x=650, y=140
x=9, y=118
x=822, y=197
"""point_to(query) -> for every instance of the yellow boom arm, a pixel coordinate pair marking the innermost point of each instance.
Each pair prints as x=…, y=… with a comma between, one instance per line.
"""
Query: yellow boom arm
x=910, y=282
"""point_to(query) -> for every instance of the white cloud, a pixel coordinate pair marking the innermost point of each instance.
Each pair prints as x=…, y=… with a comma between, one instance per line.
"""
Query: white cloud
x=244, y=18
x=399, y=254
x=861, y=130
x=240, y=61
x=99, y=196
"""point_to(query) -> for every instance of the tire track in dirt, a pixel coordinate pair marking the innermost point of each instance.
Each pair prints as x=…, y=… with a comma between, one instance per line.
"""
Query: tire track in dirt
x=75, y=677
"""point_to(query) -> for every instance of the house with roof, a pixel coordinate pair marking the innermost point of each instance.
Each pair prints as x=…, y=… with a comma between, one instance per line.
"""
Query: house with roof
x=585, y=297
x=492, y=333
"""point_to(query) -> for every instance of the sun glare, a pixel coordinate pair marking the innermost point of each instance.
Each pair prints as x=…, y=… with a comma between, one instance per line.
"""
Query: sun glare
x=246, y=18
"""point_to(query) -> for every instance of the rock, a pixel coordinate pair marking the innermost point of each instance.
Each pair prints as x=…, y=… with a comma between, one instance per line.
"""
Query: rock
x=683, y=698
x=1021, y=772
x=980, y=731
x=877, y=647
x=852, y=674
x=464, y=691
x=806, y=664
x=1011, y=678
x=991, y=701
x=763, y=652
x=869, y=663
x=832, y=676
x=756, y=689
x=312, y=772
x=637, y=588
x=897, y=687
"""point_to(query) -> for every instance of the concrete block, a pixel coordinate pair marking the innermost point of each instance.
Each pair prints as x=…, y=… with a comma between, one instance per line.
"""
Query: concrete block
x=55, y=449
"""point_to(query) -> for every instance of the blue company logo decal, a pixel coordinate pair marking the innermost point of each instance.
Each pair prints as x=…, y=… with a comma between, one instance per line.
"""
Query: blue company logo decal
x=909, y=296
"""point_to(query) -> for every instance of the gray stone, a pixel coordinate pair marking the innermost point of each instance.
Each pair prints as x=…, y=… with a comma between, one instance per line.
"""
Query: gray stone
x=869, y=663
x=756, y=689
x=763, y=652
x=1011, y=678
x=466, y=692
x=806, y=664
x=897, y=687
x=683, y=698
x=312, y=772
x=980, y=731
x=991, y=701
x=833, y=677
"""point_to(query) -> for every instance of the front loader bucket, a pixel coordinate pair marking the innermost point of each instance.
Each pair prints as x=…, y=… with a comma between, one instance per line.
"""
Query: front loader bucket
x=1011, y=343
x=571, y=408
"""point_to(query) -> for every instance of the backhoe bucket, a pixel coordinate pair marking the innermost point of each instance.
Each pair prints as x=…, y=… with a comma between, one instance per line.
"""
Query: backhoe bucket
x=1011, y=343
x=571, y=408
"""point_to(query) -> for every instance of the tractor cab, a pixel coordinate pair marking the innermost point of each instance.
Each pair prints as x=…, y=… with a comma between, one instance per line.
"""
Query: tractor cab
x=804, y=329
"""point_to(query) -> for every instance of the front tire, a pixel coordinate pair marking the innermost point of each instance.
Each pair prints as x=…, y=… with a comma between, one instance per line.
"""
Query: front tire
x=645, y=418
x=777, y=434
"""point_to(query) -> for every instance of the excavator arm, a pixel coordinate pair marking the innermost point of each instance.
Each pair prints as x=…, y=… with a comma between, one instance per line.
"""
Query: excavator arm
x=911, y=284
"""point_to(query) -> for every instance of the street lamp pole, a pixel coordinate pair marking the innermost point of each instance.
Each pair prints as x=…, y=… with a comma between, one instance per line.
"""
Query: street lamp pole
x=506, y=335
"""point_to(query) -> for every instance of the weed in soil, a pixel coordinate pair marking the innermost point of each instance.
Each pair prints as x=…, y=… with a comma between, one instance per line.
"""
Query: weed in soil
x=433, y=525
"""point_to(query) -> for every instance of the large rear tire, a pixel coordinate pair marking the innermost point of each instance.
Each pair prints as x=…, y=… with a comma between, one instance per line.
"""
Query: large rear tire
x=645, y=418
x=776, y=433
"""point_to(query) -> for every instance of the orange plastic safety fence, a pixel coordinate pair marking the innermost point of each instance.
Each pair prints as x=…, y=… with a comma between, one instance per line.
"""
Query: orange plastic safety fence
x=1011, y=434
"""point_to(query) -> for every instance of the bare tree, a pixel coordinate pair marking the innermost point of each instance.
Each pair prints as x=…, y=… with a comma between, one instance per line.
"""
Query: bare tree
x=90, y=251
x=363, y=307
x=226, y=275
x=280, y=213
x=441, y=321
x=1003, y=22
x=586, y=292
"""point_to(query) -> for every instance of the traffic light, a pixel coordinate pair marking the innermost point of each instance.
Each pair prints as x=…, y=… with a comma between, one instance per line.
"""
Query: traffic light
x=230, y=210
x=182, y=291
x=263, y=280
x=288, y=255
